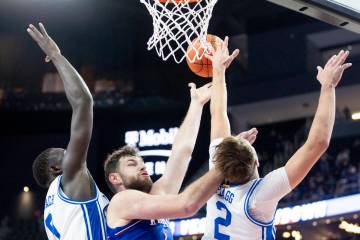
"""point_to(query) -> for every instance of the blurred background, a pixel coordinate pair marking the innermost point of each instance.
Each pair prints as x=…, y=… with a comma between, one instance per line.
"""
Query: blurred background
x=141, y=100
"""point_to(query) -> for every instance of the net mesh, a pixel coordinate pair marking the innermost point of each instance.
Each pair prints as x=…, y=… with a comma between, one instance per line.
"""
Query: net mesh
x=176, y=25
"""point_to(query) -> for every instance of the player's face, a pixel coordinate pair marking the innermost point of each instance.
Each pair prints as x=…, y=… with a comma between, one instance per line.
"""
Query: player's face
x=134, y=175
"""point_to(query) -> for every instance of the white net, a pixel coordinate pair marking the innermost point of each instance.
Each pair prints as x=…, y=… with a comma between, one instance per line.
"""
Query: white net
x=177, y=24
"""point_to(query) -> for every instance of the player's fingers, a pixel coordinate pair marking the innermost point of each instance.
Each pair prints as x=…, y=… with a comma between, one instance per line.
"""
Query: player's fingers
x=225, y=43
x=43, y=30
x=192, y=85
x=211, y=49
x=229, y=60
x=253, y=131
x=37, y=33
x=342, y=58
x=338, y=58
x=235, y=53
x=208, y=56
x=243, y=135
x=208, y=85
x=32, y=34
x=319, y=69
x=252, y=139
x=330, y=62
x=346, y=66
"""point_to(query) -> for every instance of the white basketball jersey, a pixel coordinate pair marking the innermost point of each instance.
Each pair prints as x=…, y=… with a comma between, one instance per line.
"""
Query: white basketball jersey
x=228, y=216
x=237, y=212
x=67, y=219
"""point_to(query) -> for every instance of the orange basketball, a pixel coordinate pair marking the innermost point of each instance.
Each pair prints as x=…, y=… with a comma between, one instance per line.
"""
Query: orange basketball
x=178, y=1
x=202, y=67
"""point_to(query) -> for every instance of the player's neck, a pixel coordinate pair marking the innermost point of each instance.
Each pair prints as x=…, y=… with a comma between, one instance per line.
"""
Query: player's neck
x=255, y=175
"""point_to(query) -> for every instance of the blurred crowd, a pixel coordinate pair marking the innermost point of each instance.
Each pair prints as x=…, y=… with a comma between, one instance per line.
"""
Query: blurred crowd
x=335, y=174
x=22, y=229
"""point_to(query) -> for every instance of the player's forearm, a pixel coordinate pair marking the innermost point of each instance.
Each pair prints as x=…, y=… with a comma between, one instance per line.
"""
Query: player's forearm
x=304, y=159
x=323, y=123
x=218, y=105
x=199, y=192
x=185, y=138
x=220, y=126
x=76, y=90
x=182, y=149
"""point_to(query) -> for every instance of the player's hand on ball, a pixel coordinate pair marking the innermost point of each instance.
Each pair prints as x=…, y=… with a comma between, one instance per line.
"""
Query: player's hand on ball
x=334, y=68
x=44, y=41
x=202, y=94
x=220, y=57
x=249, y=135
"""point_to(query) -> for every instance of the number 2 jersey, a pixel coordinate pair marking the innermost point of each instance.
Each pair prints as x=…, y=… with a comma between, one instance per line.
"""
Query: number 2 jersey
x=245, y=212
x=67, y=219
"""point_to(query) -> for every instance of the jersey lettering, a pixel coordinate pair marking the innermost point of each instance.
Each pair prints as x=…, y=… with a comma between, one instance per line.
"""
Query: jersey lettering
x=49, y=224
x=222, y=221
x=226, y=194
x=49, y=201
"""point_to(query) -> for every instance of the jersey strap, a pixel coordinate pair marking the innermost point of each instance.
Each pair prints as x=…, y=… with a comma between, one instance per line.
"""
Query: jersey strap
x=63, y=197
x=246, y=206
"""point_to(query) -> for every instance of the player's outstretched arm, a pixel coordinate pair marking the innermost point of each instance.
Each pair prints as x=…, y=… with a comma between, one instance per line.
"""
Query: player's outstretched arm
x=221, y=60
x=80, y=100
x=131, y=204
x=184, y=143
x=320, y=133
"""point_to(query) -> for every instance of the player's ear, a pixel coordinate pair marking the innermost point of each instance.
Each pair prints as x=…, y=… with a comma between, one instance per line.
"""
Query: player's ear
x=115, y=179
x=257, y=163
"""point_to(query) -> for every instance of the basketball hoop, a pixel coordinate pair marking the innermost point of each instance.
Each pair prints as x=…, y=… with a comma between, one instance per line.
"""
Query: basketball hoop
x=176, y=23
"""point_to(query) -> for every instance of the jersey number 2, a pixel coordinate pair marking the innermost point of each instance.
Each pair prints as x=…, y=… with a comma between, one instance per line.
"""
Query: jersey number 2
x=49, y=224
x=222, y=221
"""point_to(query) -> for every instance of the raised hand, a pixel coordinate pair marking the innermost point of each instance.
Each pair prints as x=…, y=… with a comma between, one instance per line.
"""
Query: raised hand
x=44, y=41
x=332, y=72
x=249, y=135
x=201, y=95
x=220, y=57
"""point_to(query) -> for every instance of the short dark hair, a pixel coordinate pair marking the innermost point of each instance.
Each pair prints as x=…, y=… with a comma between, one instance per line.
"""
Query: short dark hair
x=40, y=168
x=111, y=162
x=235, y=159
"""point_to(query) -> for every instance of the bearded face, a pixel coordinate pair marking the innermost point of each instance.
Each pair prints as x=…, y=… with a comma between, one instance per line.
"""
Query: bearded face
x=141, y=183
x=134, y=175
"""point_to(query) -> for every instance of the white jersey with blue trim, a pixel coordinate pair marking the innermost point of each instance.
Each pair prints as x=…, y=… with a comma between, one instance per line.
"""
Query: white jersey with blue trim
x=67, y=219
x=245, y=212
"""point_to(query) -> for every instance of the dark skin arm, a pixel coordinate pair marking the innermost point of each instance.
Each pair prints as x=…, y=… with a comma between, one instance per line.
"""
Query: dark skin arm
x=76, y=181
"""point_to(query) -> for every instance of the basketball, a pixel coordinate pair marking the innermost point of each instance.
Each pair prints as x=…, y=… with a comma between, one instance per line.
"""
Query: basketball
x=201, y=67
x=178, y=1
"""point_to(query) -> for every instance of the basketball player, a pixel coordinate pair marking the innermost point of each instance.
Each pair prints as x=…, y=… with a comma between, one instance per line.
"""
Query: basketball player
x=244, y=207
x=140, y=208
x=73, y=205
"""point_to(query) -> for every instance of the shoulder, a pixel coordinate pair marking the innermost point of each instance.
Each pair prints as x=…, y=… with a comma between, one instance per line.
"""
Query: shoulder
x=276, y=176
x=125, y=197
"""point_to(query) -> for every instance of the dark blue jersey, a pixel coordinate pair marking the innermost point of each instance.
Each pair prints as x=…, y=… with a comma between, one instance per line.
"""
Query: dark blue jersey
x=141, y=230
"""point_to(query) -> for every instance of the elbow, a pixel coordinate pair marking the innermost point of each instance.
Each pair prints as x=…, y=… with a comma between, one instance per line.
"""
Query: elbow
x=320, y=144
x=190, y=208
x=85, y=100
x=88, y=99
x=323, y=144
